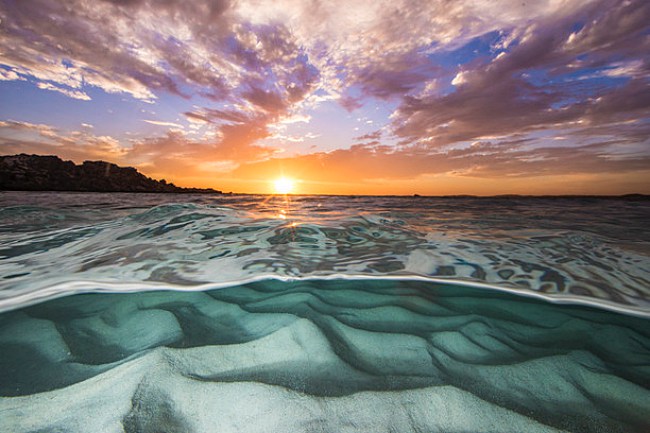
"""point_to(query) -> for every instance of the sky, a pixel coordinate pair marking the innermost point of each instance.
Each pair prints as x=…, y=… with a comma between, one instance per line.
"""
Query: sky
x=432, y=97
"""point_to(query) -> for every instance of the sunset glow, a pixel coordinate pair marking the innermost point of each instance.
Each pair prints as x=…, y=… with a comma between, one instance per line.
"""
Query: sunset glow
x=283, y=185
x=364, y=97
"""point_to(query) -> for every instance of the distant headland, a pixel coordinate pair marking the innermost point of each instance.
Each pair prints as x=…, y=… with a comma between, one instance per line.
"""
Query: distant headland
x=50, y=173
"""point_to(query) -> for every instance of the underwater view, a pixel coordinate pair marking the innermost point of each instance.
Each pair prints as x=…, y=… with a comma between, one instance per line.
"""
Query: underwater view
x=215, y=313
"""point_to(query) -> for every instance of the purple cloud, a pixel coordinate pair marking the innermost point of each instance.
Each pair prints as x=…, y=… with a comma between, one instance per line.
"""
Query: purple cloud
x=579, y=69
x=500, y=97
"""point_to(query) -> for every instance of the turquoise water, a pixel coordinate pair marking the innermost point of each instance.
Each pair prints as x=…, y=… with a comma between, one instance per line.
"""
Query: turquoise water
x=131, y=313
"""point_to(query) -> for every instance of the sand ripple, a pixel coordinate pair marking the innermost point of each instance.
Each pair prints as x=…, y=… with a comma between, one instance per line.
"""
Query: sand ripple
x=332, y=356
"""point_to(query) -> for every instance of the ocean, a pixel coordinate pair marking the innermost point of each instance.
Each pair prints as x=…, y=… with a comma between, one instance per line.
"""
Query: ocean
x=248, y=313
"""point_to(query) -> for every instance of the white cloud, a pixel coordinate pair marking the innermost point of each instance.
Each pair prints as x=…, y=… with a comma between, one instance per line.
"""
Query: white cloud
x=75, y=94
x=162, y=123
x=9, y=75
x=459, y=79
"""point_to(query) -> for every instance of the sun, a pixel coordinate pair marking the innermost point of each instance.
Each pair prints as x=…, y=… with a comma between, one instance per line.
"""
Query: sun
x=283, y=185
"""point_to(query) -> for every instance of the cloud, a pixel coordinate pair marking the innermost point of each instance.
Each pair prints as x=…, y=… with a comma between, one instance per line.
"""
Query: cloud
x=254, y=73
x=9, y=75
x=173, y=153
x=196, y=118
x=18, y=126
x=26, y=137
x=474, y=85
x=497, y=159
x=372, y=136
x=142, y=47
x=161, y=123
x=531, y=87
x=75, y=94
x=216, y=48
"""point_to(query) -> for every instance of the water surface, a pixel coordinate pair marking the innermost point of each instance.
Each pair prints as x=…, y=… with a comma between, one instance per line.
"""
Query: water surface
x=594, y=250
x=177, y=313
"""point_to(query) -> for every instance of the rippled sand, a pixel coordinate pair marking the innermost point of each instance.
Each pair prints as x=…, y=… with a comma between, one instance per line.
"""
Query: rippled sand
x=335, y=356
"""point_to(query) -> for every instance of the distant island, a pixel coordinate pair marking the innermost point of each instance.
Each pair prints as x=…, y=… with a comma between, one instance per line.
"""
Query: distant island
x=50, y=173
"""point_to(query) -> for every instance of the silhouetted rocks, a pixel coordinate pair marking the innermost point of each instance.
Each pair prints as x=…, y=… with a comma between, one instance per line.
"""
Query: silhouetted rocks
x=50, y=173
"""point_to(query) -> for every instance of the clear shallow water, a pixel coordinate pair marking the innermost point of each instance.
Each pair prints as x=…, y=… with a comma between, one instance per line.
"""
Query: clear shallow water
x=334, y=356
x=594, y=250
x=357, y=315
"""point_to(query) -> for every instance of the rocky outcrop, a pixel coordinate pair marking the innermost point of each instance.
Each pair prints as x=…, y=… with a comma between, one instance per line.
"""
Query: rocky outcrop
x=50, y=173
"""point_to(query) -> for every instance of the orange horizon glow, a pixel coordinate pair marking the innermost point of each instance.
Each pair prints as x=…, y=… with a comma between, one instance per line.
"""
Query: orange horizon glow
x=433, y=185
x=479, y=99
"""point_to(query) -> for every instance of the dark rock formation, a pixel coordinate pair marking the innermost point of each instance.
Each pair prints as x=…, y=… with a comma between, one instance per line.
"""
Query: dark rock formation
x=50, y=173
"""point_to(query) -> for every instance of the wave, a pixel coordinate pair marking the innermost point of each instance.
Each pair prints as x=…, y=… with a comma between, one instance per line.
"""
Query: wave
x=583, y=254
x=17, y=301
